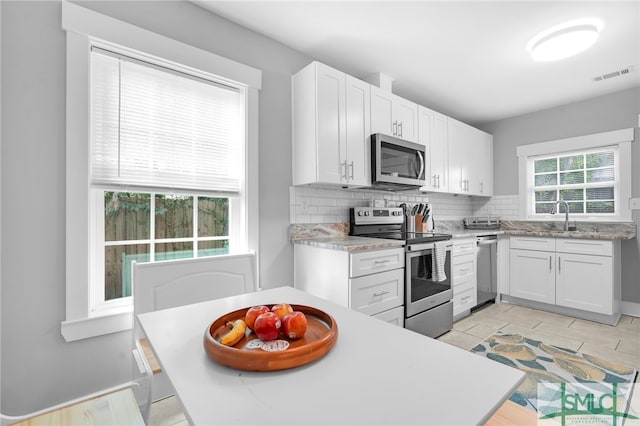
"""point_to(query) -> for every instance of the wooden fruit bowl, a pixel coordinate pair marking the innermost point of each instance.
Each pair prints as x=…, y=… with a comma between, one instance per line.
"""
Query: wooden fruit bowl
x=319, y=339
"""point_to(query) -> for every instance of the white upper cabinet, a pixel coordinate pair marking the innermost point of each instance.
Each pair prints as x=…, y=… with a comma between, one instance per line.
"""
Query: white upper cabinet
x=432, y=133
x=334, y=115
x=470, y=159
x=331, y=128
x=463, y=157
x=393, y=115
x=358, y=127
x=485, y=164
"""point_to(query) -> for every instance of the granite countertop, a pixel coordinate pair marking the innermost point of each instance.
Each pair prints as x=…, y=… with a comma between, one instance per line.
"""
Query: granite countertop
x=457, y=230
x=349, y=243
x=585, y=230
x=335, y=235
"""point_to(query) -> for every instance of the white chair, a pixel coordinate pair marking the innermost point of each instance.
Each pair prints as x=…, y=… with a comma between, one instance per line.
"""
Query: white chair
x=172, y=283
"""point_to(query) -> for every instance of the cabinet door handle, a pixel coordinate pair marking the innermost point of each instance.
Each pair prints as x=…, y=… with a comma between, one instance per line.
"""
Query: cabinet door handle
x=559, y=263
x=465, y=298
x=382, y=293
x=481, y=186
x=549, y=262
x=343, y=166
x=381, y=261
x=400, y=128
x=395, y=128
x=438, y=181
x=351, y=168
x=435, y=185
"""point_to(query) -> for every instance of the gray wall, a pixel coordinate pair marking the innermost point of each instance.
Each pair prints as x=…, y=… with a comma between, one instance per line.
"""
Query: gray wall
x=38, y=368
x=611, y=112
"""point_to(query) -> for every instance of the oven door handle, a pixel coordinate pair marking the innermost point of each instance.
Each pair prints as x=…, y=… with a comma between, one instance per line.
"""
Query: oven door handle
x=427, y=246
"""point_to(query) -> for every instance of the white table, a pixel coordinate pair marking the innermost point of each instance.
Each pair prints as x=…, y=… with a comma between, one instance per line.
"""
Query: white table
x=376, y=373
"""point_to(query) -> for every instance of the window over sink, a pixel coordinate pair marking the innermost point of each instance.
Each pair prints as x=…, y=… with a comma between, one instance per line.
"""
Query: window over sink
x=592, y=174
x=585, y=180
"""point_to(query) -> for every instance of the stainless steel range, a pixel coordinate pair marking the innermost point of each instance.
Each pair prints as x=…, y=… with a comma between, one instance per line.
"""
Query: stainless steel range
x=428, y=306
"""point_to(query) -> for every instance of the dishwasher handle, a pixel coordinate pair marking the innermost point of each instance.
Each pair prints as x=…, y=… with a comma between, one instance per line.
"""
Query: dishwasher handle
x=487, y=240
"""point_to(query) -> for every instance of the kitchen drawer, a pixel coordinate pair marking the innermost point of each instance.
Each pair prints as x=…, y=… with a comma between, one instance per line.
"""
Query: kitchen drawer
x=463, y=247
x=465, y=258
x=533, y=243
x=376, y=293
x=393, y=316
x=466, y=268
x=371, y=262
x=463, y=301
x=580, y=246
x=463, y=286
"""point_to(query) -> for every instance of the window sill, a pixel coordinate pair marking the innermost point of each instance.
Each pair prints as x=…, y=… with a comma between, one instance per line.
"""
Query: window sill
x=577, y=220
x=97, y=326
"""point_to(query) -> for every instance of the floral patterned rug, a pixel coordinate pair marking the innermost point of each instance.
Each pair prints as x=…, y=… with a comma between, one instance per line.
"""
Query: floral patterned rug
x=548, y=367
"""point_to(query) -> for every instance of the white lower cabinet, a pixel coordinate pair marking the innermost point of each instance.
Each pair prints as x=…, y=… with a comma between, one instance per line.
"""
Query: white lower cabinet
x=585, y=282
x=463, y=270
x=393, y=316
x=532, y=275
x=378, y=292
x=464, y=299
x=371, y=281
x=574, y=273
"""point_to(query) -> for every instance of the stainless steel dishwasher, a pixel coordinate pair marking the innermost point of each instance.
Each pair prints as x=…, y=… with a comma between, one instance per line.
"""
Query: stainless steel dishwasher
x=487, y=268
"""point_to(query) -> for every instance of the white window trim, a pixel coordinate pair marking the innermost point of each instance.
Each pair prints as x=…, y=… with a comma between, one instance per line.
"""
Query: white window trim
x=82, y=26
x=622, y=139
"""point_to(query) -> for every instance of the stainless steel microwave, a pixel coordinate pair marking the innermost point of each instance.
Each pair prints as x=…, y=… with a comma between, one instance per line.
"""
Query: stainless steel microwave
x=396, y=164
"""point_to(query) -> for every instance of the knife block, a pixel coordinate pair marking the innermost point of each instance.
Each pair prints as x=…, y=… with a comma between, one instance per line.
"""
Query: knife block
x=420, y=226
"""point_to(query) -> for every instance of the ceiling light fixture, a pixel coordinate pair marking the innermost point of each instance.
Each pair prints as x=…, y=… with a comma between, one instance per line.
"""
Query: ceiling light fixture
x=564, y=40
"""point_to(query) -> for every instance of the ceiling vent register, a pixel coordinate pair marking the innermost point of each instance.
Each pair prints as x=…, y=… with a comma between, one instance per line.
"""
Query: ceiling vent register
x=618, y=73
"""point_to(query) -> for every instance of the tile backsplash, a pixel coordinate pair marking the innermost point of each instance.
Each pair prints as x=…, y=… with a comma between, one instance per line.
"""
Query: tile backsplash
x=327, y=205
x=506, y=207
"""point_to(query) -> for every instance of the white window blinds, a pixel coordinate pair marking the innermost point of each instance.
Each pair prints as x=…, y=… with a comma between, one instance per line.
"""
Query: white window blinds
x=586, y=180
x=158, y=128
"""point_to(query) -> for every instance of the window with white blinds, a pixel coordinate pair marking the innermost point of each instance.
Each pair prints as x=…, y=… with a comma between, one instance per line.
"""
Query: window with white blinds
x=586, y=180
x=153, y=127
x=161, y=153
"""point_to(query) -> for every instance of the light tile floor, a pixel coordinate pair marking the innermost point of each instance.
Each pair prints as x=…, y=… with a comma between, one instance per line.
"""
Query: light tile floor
x=167, y=412
x=619, y=344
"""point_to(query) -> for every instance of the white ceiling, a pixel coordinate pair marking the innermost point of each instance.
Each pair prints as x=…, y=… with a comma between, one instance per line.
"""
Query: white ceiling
x=464, y=59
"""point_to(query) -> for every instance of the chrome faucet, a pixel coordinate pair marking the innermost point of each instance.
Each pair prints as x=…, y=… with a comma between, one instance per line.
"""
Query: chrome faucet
x=566, y=212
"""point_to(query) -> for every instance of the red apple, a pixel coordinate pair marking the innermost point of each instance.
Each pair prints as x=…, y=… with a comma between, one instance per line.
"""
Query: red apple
x=281, y=309
x=253, y=313
x=294, y=325
x=267, y=326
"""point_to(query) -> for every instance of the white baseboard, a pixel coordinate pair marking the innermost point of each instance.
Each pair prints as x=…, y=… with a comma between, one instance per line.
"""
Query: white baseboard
x=630, y=308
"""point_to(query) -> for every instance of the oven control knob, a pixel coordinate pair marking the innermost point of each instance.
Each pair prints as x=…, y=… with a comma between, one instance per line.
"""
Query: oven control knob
x=359, y=213
x=366, y=213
